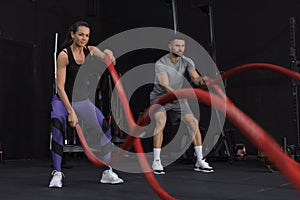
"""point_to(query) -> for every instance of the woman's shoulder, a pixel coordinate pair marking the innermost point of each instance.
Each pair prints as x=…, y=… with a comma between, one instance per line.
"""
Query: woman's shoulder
x=63, y=55
x=90, y=47
x=63, y=52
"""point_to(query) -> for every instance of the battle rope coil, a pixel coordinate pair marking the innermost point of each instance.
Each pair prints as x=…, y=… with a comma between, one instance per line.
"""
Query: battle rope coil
x=287, y=166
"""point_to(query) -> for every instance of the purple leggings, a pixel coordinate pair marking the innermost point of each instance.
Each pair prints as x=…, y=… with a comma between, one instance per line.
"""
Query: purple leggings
x=89, y=114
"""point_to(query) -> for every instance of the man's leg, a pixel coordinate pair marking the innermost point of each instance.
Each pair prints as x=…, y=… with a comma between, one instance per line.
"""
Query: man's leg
x=193, y=126
x=160, y=122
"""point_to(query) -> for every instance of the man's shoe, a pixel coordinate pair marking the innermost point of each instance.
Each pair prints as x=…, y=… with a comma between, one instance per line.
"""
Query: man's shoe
x=203, y=166
x=157, y=167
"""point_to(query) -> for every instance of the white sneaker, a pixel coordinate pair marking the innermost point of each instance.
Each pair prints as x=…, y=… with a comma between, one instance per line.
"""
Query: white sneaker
x=108, y=176
x=203, y=166
x=157, y=167
x=56, y=180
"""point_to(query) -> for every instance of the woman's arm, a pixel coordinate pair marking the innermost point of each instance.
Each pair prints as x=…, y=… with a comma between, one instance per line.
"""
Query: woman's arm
x=95, y=51
x=62, y=62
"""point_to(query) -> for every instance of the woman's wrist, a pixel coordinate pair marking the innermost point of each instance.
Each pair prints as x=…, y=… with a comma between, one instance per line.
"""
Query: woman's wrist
x=70, y=112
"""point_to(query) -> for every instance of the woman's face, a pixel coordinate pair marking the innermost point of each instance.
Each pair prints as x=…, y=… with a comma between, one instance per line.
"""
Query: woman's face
x=81, y=37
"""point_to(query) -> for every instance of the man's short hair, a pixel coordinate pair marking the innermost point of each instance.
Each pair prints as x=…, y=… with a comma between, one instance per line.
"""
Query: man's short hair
x=176, y=37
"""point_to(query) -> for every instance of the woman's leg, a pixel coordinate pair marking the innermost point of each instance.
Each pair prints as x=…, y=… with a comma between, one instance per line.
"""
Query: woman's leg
x=58, y=119
x=93, y=118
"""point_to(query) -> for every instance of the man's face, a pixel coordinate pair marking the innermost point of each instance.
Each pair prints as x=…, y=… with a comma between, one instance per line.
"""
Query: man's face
x=177, y=47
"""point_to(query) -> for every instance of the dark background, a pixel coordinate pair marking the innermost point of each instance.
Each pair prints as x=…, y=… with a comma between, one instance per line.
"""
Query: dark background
x=245, y=32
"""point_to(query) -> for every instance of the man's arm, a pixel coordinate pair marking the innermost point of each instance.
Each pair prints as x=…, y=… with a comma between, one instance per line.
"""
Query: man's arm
x=164, y=82
x=196, y=78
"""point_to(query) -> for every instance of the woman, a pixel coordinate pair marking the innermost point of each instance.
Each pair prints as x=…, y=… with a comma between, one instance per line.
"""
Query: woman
x=69, y=61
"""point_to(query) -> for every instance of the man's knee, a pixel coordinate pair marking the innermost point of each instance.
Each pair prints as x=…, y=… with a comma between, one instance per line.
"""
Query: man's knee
x=195, y=121
x=160, y=119
x=160, y=122
x=192, y=121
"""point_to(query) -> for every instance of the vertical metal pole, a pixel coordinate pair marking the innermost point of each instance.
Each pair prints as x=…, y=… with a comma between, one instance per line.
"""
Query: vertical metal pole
x=55, y=77
x=174, y=11
x=212, y=33
x=224, y=139
x=55, y=63
x=284, y=144
x=1, y=154
x=295, y=84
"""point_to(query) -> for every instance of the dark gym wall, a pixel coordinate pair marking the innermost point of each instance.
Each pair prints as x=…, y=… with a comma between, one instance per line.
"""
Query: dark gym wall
x=20, y=124
x=252, y=32
x=35, y=22
x=245, y=31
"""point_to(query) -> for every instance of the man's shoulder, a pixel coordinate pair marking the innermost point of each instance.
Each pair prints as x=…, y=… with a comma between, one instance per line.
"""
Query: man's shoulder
x=188, y=60
x=162, y=60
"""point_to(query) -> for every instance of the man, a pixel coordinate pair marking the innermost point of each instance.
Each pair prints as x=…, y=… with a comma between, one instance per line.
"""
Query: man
x=169, y=76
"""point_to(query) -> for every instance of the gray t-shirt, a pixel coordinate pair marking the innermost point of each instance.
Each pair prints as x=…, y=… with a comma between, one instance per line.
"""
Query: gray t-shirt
x=175, y=72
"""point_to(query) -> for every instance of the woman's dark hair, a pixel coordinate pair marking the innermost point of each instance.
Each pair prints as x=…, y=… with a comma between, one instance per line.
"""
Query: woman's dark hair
x=73, y=28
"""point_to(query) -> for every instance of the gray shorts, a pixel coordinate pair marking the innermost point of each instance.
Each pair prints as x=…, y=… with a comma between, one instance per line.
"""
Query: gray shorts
x=178, y=106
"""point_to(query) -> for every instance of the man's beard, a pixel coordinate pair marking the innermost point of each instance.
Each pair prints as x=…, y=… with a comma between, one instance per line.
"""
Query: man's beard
x=175, y=55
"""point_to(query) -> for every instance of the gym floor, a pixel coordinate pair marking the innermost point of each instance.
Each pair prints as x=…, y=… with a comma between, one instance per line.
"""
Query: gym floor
x=247, y=179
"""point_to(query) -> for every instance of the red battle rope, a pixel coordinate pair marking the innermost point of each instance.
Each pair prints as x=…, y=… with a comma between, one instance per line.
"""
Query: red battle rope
x=287, y=166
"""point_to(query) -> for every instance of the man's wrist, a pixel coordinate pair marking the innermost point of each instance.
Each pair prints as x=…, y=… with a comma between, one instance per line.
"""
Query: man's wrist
x=201, y=81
